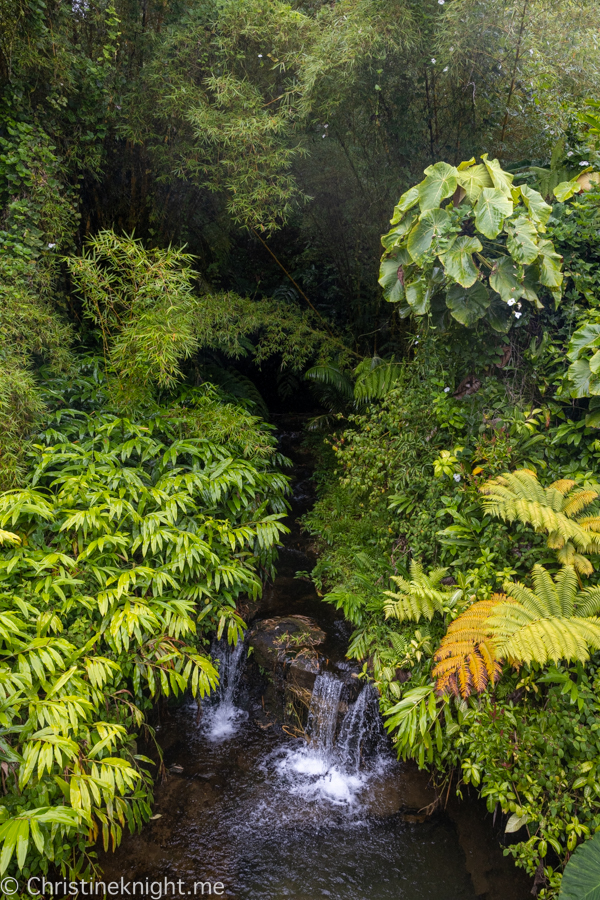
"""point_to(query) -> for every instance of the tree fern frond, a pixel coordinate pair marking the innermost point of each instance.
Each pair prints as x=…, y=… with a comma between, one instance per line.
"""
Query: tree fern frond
x=563, y=485
x=421, y=597
x=567, y=586
x=334, y=377
x=588, y=602
x=466, y=659
x=377, y=382
x=518, y=496
x=578, y=501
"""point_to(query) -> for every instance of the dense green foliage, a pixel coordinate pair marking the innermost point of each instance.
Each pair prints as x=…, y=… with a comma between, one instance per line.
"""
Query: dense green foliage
x=130, y=541
x=192, y=195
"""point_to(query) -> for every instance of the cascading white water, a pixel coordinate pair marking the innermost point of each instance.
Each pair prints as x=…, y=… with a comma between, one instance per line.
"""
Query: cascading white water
x=221, y=716
x=324, y=768
x=323, y=712
x=361, y=730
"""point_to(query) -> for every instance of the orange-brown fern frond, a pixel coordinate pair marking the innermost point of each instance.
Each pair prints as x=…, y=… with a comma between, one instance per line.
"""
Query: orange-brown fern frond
x=466, y=660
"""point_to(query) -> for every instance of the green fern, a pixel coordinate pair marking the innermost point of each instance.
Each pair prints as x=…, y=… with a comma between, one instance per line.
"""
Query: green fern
x=421, y=597
x=553, y=621
x=518, y=496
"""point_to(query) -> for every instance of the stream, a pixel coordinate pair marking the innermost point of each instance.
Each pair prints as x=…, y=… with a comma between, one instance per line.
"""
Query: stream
x=251, y=809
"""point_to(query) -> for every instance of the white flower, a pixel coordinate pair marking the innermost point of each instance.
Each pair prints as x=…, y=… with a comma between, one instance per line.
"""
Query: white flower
x=51, y=246
x=511, y=302
x=323, y=135
x=570, y=153
x=441, y=2
x=517, y=315
x=446, y=69
x=446, y=390
x=584, y=163
x=260, y=55
x=531, y=52
x=433, y=61
x=456, y=477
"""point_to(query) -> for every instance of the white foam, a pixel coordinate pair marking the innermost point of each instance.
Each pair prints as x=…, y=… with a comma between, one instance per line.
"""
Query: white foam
x=222, y=722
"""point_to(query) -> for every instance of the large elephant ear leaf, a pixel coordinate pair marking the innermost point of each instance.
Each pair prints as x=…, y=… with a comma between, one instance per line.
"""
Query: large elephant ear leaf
x=584, y=337
x=391, y=278
x=473, y=180
x=566, y=189
x=499, y=315
x=505, y=278
x=579, y=375
x=433, y=224
x=522, y=241
x=409, y=199
x=500, y=179
x=492, y=208
x=539, y=210
x=549, y=262
x=581, y=878
x=417, y=296
x=467, y=305
x=395, y=235
x=458, y=261
x=440, y=183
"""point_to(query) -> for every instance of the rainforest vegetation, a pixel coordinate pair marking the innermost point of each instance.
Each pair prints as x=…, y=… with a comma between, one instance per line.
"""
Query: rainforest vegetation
x=192, y=195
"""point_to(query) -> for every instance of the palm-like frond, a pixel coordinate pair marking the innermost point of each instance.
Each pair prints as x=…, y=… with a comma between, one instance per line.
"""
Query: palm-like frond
x=551, y=622
x=421, y=597
x=466, y=659
x=518, y=496
x=375, y=380
x=332, y=377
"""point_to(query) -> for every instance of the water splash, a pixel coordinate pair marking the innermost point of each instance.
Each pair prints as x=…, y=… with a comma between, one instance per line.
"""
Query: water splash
x=221, y=717
x=324, y=769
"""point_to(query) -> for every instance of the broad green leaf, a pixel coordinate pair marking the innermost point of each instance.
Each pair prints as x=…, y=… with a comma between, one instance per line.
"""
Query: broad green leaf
x=592, y=420
x=22, y=842
x=393, y=289
x=417, y=296
x=581, y=878
x=466, y=164
x=406, y=202
x=505, y=278
x=458, y=261
x=396, y=235
x=539, y=210
x=549, y=262
x=566, y=189
x=492, y=208
x=595, y=363
x=529, y=284
x=499, y=315
x=522, y=241
x=579, y=375
x=474, y=180
x=440, y=183
x=500, y=179
x=467, y=305
x=433, y=225
x=586, y=336
x=516, y=822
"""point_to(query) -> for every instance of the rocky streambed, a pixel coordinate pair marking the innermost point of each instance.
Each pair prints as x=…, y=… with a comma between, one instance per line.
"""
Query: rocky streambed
x=286, y=786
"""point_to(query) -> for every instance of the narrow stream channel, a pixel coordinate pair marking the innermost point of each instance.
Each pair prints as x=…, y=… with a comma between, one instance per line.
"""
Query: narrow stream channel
x=268, y=815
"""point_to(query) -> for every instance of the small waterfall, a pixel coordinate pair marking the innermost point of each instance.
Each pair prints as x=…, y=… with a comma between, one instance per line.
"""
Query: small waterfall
x=324, y=768
x=323, y=712
x=361, y=731
x=221, y=717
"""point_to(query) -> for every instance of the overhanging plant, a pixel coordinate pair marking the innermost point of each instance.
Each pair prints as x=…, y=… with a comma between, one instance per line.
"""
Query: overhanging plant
x=469, y=244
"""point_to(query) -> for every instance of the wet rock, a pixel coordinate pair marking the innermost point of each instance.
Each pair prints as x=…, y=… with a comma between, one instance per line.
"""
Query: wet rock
x=278, y=640
x=303, y=670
